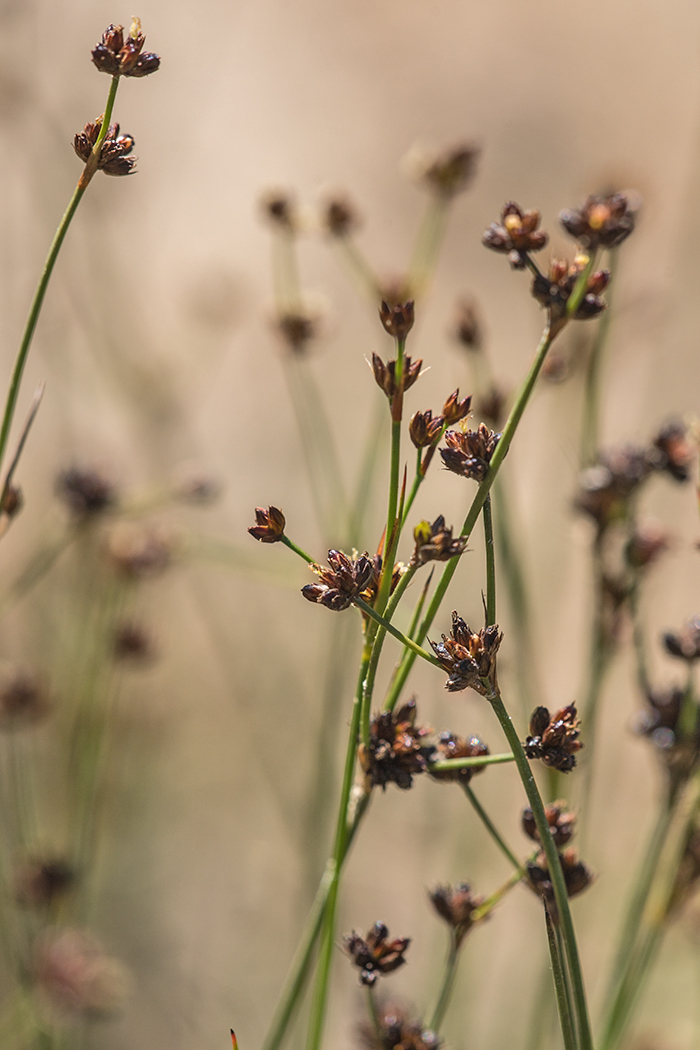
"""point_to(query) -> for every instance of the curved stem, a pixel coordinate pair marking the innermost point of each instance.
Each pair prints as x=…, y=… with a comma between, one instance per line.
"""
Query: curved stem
x=490, y=826
x=297, y=550
x=399, y=635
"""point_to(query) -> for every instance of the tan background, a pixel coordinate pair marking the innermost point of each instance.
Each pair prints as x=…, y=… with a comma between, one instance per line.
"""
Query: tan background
x=156, y=349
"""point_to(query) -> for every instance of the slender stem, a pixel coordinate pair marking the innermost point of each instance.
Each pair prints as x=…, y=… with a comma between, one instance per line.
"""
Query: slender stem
x=417, y=482
x=446, y=985
x=475, y=509
x=590, y=427
x=320, y=997
x=490, y=564
x=561, y=986
x=553, y=866
x=488, y=823
x=640, y=647
x=367, y=472
x=38, y=300
x=389, y=627
x=374, y=1013
x=630, y=989
x=359, y=267
x=428, y=242
x=446, y=764
x=577, y=295
x=297, y=550
x=495, y=898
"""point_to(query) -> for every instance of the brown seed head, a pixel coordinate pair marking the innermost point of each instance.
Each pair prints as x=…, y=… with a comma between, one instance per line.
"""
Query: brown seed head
x=375, y=954
x=674, y=735
x=456, y=905
x=124, y=57
x=385, y=375
x=467, y=328
x=468, y=657
x=435, y=543
x=345, y=579
x=12, y=501
x=673, y=451
x=114, y=156
x=455, y=410
x=424, y=429
x=561, y=823
x=24, y=701
x=450, y=745
x=554, y=738
x=553, y=291
x=269, y=525
x=450, y=172
x=339, y=216
x=39, y=882
x=133, y=643
x=280, y=208
x=397, y=1031
x=491, y=407
x=395, y=753
x=685, y=644
x=298, y=329
x=646, y=545
x=469, y=452
x=605, y=489
x=601, y=222
x=577, y=877
x=139, y=551
x=397, y=318
x=516, y=234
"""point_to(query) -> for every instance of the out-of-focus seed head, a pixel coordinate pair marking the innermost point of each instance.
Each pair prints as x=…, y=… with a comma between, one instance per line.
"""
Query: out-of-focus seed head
x=491, y=407
x=397, y=318
x=141, y=551
x=121, y=56
x=24, y=701
x=605, y=489
x=561, y=823
x=73, y=971
x=425, y=429
x=577, y=877
x=469, y=452
x=345, y=578
x=455, y=410
x=554, y=738
x=269, y=525
x=469, y=657
x=85, y=492
x=195, y=488
x=448, y=173
x=516, y=234
x=133, y=643
x=685, y=644
x=674, y=731
x=646, y=545
x=339, y=216
x=601, y=222
x=39, y=882
x=397, y=1031
x=435, y=543
x=396, y=752
x=554, y=290
x=450, y=745
x=300, y=327
x=280, y=208
x=673, y=451
x=467, y=329
x=12, y=501
x=375, y=954
x=456, y=905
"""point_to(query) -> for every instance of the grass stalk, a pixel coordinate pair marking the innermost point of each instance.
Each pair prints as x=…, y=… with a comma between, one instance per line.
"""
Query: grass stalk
x=446, y=986
x=488, y=823
x=561, y=985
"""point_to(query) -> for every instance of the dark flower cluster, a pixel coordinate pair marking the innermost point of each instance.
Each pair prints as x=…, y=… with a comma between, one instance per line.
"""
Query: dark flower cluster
x=375, y=954
x=397, y=318
x=456, y=905
x=24, y=701
x=451, y=172
x=672, y=451
x=672, y=723
x=397, y=1032
x=450, y=745
x=85, y=492
x=554, y=738
x=269, y=525
x=385, y=376
x=435, y=543
x=561, y=823
x=345, y=579
x=469, y=658
x=339, y=216
x=685, y=644
x=114, y=156
x=39, y=882
x=298, y=329
x=395, y=752
x=554, y=289
x=469, y=452
x=600, y=222
x=516, y=234
x=577, y=877
x=124, y=56
x=467, y=329
x=425, y=428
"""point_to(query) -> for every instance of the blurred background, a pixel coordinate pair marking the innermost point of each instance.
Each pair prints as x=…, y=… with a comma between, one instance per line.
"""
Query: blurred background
x=161, y=362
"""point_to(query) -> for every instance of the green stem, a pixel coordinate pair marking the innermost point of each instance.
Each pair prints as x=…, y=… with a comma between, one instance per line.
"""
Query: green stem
x=367, y=472
x=561, y=986
x=579, y=291
x=490, y=564
x=553, y=865
x=488, y=823
x=428, y=242
x=475, y=509
x=359, y=268
x=320, y=997
x=590, y=427
x=445, y=765
x=374, y=1013
x=38, y=300
x=297, y=550
x=446, y=986
x=399, y=635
